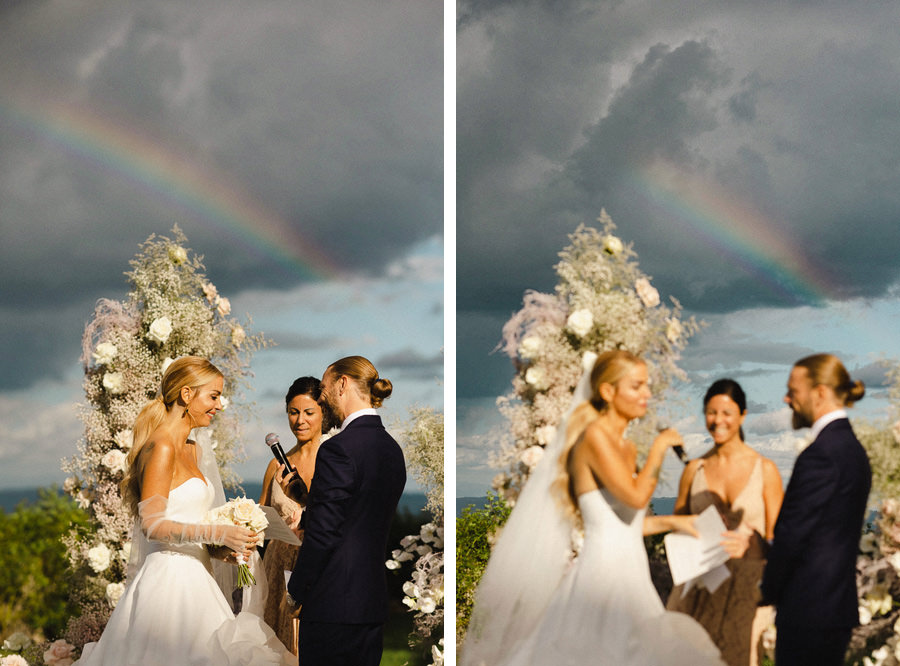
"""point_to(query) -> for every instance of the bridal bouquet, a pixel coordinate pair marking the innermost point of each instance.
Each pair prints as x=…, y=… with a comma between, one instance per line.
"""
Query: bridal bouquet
x=245, y=513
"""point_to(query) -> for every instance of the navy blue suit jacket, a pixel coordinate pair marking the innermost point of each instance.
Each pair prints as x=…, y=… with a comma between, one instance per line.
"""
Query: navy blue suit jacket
x=340, y=574
x=811, y=571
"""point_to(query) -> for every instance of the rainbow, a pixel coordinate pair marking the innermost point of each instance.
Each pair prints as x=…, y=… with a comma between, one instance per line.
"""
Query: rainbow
x=738, y=230
x=196, y=191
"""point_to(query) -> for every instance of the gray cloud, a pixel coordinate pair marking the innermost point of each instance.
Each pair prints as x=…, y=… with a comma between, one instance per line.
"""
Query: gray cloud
x=562, y=113
x=258, y=129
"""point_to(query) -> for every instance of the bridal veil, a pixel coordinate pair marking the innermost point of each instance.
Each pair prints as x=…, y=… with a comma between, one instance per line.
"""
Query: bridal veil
x=530, y=557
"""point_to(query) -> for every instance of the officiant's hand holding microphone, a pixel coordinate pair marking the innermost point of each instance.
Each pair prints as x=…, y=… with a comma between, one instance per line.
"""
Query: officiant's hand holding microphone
x=287, y=476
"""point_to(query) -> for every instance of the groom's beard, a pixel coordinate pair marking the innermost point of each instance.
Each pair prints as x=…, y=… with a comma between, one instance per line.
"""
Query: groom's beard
x=799, y=420
x=331, y=417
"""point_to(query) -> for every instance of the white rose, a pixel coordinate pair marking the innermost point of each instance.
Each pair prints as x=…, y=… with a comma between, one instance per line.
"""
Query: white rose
x=580, y=322
x=160, y=330
x=532, y=455
x=98, y=558
x=125, y=553
x=242, y=509
x=13, y=660
x=530, y=347
x=105, y=353
x=238, y=335
x=114, y=592
x=177, y=254
x=426, y=605
x=545, y=434
x=124, y=439
x=223, y=306
x=167, y=361
x=409, y=601
x=69, y=484
x=392, y=564
x=674, y=329
x=535, y=376
x=210, y=291
x=410, y=589
x=612, y=245
x=647, y=293
x=59, y=653
x=115, y=460
x=114, y=382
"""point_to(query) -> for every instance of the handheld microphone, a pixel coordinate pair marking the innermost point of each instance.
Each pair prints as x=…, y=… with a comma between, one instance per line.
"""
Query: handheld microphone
x=274, y=444
x=678, y=448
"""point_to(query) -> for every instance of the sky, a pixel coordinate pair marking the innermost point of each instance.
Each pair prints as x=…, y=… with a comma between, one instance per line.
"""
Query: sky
x=748, y=151
x=299, y=146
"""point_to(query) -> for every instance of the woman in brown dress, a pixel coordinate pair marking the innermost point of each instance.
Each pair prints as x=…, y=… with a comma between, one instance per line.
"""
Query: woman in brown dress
x=746, y=489
x=305, y=419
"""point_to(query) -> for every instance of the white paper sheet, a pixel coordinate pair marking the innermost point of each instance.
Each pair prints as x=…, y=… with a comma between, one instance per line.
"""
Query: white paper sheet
x=695, y=557
x=277, y=528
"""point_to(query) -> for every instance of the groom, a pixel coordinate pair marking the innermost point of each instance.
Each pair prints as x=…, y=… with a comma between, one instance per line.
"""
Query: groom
x=339, y=579
x=811, y=570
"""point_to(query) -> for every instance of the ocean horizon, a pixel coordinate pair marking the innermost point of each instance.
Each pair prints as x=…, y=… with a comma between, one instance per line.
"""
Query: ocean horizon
x=12, y=498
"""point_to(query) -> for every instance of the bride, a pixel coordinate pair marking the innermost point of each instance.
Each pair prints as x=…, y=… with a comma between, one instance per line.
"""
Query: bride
x=535, y=605
x=173, y=611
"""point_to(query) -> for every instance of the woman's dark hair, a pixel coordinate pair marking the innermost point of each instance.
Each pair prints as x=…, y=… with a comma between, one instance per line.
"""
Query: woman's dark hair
x=730, y=388
x=304, y=386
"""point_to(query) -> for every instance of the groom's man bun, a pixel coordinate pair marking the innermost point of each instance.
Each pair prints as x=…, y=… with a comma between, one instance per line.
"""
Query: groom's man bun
x=365, y=376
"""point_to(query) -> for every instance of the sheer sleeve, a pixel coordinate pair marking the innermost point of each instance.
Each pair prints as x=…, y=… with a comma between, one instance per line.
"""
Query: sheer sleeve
x=156, y=527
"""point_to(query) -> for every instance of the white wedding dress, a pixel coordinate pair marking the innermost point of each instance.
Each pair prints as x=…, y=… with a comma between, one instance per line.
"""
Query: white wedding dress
x=537, y=606
x=173, y=613
x=606, y=610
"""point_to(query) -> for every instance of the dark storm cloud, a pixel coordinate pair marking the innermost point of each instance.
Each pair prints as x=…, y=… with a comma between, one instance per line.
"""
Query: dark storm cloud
x=327, y=115
x=562, y=114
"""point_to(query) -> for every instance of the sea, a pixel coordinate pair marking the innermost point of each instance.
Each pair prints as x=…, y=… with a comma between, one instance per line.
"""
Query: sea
x=10, y=498
x=662, y=506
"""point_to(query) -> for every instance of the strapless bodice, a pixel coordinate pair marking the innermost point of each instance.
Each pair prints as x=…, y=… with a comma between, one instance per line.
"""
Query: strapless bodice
x=188, y=503
x=601, y=511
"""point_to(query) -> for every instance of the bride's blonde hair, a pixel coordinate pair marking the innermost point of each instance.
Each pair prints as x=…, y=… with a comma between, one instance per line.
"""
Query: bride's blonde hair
x=609, y=368
x=190, y=371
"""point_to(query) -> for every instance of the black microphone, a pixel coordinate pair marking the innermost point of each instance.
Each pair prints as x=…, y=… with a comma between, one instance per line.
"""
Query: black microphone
x=677, y=448
x=274, y=444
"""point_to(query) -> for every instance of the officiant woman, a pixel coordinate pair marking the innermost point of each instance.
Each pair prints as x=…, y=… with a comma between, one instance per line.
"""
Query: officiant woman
x=305, y=420
x=746, y=489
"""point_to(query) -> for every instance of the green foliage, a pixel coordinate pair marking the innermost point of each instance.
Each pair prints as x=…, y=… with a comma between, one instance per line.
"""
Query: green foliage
x=33, y=564
x=475, y=532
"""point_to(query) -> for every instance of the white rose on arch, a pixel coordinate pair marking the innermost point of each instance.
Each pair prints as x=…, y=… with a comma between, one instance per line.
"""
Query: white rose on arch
x=114, y=382
x=114, y=592
x=98, y=558
x=580, y=322
x=612, y=245
x=115, y=460
x=160, y=330
x=536, y=377
x=124, y=439
x=647, y=293
x=532, y=456
x=530, y=347
x=104, y=353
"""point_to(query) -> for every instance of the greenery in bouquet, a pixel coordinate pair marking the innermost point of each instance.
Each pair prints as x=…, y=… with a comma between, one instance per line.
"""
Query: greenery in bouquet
x=603, y=301
x=172, y=310
x=423, y=443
